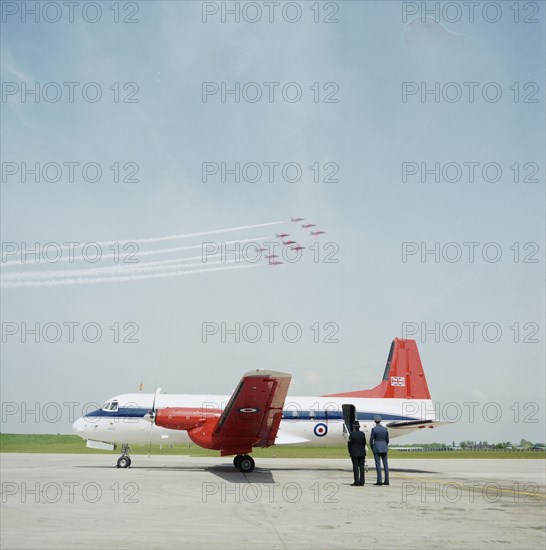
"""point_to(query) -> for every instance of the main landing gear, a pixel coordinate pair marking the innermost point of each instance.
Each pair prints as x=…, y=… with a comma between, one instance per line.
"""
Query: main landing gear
x=124, y=461
x=244, y=463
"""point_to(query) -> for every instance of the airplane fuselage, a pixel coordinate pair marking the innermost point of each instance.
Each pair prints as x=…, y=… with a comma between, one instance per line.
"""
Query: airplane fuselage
x=315, y=421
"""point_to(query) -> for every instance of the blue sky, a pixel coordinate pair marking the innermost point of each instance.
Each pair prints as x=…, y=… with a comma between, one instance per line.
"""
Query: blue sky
x=368, y=214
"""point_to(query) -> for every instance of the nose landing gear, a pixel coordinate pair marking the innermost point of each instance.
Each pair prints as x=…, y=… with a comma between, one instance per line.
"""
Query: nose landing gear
x=124, y=461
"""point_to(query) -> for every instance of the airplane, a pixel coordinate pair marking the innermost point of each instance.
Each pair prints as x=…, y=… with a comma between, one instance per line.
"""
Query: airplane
x=275, y=263
x=258, y=413
x=271, y=256
x=308, y=225
x=282, y=235
x=289, y=242
x=298, y=247
x=296, y=219
x=316, y=233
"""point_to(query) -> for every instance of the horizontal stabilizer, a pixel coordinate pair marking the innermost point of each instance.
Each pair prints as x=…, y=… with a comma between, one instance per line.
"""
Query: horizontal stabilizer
x=412, y=424
x=288, y=439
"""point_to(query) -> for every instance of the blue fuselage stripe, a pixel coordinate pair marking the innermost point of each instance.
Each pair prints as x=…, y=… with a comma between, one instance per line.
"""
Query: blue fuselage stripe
x=129, y=412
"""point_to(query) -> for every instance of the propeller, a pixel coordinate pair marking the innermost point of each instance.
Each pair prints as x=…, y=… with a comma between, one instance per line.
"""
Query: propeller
x=150, y=417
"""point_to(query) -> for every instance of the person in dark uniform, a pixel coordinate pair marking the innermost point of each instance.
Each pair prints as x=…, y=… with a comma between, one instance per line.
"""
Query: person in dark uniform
x=379, y=442
x=357, y=449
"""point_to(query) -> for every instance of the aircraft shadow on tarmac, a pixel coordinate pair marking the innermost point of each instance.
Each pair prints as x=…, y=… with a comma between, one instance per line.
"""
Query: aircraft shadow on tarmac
x=260, y=475
x=265, y=475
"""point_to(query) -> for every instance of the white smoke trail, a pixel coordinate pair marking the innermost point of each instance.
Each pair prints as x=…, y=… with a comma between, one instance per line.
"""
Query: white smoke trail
x=158, y=239
x=98, y=280
x=115, y=270
x=190, y=235
x=154, y=252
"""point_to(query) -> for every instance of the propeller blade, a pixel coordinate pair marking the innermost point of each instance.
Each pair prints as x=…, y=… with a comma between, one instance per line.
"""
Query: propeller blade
x=150, y=417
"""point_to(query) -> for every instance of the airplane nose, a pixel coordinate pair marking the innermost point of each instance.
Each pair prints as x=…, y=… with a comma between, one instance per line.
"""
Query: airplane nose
x=77, y=427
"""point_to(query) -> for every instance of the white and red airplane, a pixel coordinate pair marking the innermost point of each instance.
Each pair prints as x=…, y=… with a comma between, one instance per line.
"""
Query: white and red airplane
x=298, y=247
x=308, y=225
x=317, y=233
x=259, y=414
x=282, y=235
x=275, y=263
x=286, y=243
x=296, y=219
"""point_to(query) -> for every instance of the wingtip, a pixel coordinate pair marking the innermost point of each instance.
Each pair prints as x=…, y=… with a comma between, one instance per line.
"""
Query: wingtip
x=270, y=373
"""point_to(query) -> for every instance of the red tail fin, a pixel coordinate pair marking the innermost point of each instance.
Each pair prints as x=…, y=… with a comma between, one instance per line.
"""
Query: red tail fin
x=404, y=377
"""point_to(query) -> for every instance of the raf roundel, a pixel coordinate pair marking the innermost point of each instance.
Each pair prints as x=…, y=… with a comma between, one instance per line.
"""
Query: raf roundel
x=320, y=429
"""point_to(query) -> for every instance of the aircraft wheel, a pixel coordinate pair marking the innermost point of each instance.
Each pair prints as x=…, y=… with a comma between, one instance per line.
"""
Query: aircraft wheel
x=123, y=462
x=246, y=464
x=236, y=461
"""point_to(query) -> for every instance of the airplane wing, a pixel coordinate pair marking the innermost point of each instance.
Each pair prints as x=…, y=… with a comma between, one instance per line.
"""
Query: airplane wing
x=253, y=414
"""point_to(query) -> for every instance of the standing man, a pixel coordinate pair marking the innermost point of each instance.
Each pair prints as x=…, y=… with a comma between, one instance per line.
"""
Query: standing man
x=357, y=449
x=379, y=441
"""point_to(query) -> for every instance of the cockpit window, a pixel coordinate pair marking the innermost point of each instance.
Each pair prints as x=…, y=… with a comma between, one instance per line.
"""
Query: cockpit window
x=114, y=406
x=106, y=406
x=110, y=406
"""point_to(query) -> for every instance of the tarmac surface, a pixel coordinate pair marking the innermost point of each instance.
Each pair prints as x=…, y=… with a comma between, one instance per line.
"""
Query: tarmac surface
x=83, y=501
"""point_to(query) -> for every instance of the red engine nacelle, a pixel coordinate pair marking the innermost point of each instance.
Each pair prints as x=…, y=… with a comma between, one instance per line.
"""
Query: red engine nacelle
x=200, y=425
x=183, y=418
